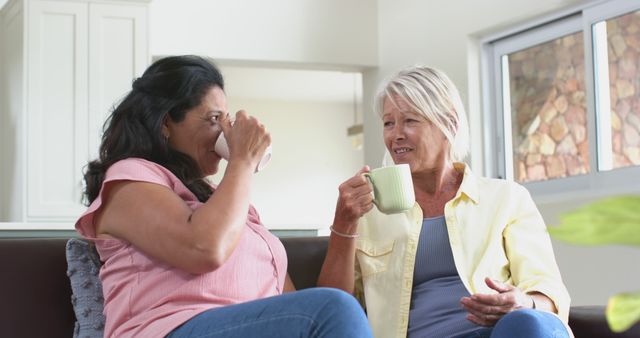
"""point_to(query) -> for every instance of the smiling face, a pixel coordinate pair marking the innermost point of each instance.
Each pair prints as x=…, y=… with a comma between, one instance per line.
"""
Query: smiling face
x=411, y=138
x=197, y=133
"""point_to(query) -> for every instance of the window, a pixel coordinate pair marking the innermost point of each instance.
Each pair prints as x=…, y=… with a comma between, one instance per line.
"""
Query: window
x=616, y=66
x=562, y=97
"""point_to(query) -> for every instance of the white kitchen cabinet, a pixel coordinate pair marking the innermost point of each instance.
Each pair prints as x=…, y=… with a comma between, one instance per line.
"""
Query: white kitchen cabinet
x=64, y=64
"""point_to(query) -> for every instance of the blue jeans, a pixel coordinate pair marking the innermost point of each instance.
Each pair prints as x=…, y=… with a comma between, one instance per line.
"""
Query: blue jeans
x=317, y=312
x=525, y=323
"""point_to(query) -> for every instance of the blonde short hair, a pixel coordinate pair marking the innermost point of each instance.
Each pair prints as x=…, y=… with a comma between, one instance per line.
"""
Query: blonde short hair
x=432, y=94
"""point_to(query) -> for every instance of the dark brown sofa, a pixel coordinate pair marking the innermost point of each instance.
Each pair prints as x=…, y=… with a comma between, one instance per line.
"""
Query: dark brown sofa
x=35, y=292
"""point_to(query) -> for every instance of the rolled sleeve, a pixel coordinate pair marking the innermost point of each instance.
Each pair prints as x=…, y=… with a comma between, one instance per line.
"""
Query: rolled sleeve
x=532, y=262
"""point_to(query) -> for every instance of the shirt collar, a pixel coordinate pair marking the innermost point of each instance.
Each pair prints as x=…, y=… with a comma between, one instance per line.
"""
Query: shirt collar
x=469, y=185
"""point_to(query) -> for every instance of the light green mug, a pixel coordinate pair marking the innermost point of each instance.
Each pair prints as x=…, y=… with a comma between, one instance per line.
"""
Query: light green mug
x=392, y=188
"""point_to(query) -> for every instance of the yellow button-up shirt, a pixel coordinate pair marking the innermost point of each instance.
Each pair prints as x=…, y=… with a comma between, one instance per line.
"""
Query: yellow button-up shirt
x=495, y=230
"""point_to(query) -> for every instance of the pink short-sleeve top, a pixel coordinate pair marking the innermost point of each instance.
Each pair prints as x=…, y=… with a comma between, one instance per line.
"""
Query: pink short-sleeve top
x=145, y=297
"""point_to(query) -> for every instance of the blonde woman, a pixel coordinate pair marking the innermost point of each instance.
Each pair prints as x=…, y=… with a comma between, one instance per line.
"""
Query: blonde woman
x=472, y=258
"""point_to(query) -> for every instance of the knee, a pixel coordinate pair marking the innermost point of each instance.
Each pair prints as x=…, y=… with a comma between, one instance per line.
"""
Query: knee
x=343, y=312
x=338, y=298
x=337, y=301
x=529, y=323
x=522, y=318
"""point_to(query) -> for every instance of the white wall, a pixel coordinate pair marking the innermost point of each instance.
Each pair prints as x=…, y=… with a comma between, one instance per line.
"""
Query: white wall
x=312, y=155
x=327, y=32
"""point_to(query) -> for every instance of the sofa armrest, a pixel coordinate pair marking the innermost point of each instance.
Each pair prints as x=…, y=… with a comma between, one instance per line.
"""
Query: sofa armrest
x=590, y=321
x=35, y=289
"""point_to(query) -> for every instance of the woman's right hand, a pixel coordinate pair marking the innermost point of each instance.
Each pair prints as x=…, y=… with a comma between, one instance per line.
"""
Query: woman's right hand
x=355, y=199
x=247, y=138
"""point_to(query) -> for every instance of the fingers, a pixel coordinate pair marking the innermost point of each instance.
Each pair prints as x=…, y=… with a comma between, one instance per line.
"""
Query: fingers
x=508, y=295
x=225, y=123
x=358, y=179
x=500, y=299
x=363, y=170
x=358, y=199
x=488, y=321
x=244, y=120
x=241, y=114
x=354, y=200
x=361, y=191
x=475, y=306
x=355, y=187
x=247, y=137
x=497, y=285
x=481, y=313
x=487, y=309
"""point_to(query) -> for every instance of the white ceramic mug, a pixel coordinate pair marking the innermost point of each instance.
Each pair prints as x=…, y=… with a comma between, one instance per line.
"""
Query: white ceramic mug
x=392, y=188
x=222, y=149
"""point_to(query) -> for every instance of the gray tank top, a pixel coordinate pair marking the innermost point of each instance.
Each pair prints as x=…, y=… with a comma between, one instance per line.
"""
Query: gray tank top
x=435, y=301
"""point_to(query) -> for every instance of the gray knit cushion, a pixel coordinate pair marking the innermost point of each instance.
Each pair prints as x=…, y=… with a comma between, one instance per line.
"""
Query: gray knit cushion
x=83, y=268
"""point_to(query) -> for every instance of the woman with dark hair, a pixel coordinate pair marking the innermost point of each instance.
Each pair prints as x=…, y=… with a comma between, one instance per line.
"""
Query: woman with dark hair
x=183, y=257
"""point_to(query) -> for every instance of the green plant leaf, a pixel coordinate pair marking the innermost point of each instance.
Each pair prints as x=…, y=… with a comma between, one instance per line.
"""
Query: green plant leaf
x=614, y=220
x=623, y=311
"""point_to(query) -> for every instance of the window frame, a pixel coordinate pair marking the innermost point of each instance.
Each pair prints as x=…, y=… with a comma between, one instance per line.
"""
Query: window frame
x=497, y=143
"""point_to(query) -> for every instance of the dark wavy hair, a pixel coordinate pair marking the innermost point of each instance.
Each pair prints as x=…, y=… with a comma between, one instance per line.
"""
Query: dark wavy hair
x=170, y=86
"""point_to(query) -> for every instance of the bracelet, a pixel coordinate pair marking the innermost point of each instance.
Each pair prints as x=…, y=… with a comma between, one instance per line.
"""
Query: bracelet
x=341, y=234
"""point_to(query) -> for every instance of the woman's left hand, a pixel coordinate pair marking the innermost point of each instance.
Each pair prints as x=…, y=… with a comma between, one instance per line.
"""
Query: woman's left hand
x=486, y=310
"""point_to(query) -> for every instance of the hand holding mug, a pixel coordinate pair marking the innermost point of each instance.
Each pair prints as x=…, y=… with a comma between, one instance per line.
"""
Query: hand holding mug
x=354, y=200
x=244, y=139
x=390, y=189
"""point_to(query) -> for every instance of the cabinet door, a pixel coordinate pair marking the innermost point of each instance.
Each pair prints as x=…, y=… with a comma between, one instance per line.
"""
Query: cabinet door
x=12, y=115
x=57, y=105
x=118, y=53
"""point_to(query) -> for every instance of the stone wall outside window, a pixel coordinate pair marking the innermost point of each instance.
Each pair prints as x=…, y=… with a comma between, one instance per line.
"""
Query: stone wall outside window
x=623, y=35
x=549, y=113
